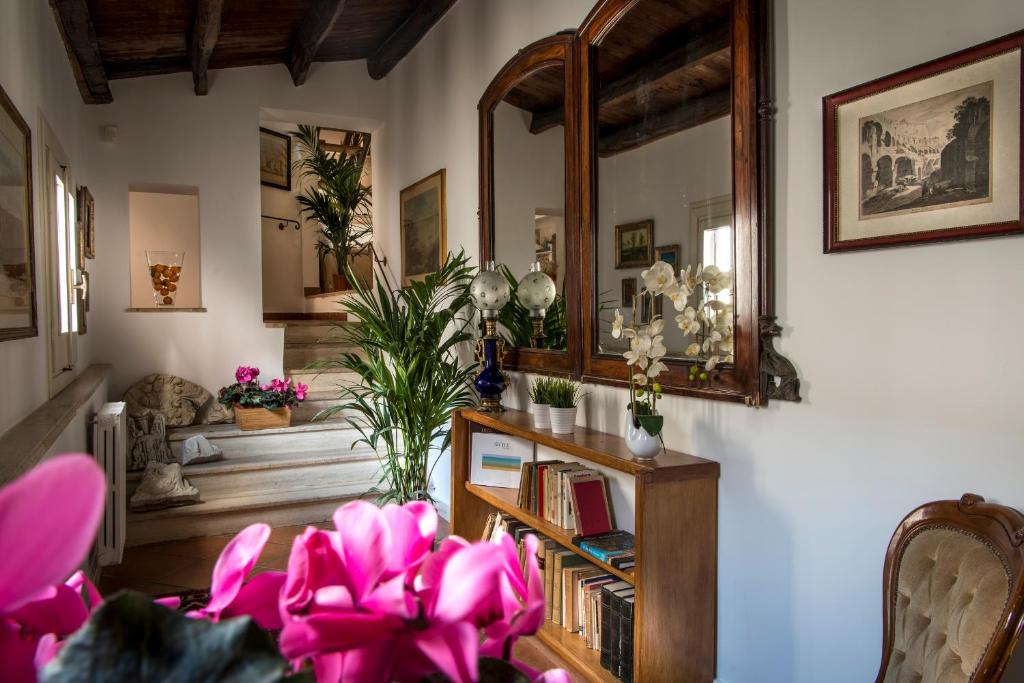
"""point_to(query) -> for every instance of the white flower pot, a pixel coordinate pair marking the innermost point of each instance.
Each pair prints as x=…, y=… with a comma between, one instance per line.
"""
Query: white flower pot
x=640, y=443
x=563, y=420
x=541, y=415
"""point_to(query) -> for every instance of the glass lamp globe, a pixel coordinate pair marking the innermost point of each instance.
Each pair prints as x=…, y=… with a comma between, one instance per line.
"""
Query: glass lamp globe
x=536, y=291
x=489, y=291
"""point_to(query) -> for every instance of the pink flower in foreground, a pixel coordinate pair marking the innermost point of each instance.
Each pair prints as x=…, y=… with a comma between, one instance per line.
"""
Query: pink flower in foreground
x=301, y=390
x=48, y=518
x=370, y=603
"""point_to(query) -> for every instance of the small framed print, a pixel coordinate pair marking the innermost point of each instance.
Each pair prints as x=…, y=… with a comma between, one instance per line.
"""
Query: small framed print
x=86, y=223
x=931, y=153
x=634, y=245
x=422, y=225
x=275, y=159
x=628, y=291
x=668, y=253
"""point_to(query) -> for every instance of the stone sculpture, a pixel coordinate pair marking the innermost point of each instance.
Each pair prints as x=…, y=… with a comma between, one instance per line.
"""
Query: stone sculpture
x=175, y=398
x=147, y=441
x=216, y=414
x=197, y=449
x=163, y=486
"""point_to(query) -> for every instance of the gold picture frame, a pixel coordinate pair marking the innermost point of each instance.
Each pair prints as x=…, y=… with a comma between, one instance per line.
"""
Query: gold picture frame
x=423, y=223
x=634, y=244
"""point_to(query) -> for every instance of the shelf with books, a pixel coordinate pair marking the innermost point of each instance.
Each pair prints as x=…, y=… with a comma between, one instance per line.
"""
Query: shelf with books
x=674, y=507
x=505, y=501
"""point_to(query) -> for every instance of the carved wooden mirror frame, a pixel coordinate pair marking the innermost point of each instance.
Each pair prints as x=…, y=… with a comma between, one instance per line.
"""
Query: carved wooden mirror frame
x=752, y=378
x=544, y=53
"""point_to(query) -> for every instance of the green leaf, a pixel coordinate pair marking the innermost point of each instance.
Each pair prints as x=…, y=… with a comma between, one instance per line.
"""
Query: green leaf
x=499, y=671
x=651, y=423
x=130, y=638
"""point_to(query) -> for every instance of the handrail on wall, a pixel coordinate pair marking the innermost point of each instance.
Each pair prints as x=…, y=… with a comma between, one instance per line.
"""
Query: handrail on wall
x=282, y=222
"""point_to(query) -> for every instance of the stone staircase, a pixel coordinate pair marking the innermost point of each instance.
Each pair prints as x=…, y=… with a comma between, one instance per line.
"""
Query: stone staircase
x=296, y=475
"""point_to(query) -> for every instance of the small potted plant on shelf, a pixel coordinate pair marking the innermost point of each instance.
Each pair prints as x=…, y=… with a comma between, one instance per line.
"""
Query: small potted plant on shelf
x=563, y=397
x=539, y=405
x=261, y=406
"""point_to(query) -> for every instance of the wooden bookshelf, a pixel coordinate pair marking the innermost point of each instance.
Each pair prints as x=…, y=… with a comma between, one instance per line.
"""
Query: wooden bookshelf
x=676, y=522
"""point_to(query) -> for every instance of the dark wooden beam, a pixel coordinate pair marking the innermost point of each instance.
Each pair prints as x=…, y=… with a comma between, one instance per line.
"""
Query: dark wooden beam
x=702, y=46
x=398, y=44
x=310, y=35
x=83, y=48
x=690, y=114
x=205, y=31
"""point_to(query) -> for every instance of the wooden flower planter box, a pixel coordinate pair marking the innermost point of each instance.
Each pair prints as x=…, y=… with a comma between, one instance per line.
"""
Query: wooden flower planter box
x=250, y=419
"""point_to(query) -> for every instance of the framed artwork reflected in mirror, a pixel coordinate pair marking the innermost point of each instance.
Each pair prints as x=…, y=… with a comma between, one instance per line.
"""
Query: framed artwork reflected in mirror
x=423, y=229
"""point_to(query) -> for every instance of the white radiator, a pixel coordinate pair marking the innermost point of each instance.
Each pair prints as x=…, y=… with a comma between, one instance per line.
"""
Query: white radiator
x=109, y=443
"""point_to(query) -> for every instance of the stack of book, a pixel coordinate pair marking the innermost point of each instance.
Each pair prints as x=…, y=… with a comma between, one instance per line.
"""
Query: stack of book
x=554, y=491
x=580, y=597
x=617, y=548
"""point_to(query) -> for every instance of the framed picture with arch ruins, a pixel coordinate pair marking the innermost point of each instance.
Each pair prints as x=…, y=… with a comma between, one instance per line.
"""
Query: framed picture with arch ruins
x=932, y=153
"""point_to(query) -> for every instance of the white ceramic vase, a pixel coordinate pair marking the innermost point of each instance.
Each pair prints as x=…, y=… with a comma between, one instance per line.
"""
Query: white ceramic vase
x=642, y=445
x=541, y=415
x=563, y=420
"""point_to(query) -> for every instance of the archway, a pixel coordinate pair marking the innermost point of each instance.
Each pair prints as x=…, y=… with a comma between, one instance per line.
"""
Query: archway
x=866, y=181
x=904, y=167
x=884, y=171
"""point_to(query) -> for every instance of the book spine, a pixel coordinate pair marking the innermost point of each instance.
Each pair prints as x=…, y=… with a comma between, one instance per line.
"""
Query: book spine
x=614, y=619
x=606, y=636
x=626, y=641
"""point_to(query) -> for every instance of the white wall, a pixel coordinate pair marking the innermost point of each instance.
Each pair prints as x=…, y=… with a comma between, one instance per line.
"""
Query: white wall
x=893, y=415
x=168, y=135
x=35, y=73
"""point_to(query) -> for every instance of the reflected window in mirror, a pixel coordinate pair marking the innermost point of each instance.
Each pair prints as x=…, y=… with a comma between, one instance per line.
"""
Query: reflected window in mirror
x=529, y=237
x=662, y=101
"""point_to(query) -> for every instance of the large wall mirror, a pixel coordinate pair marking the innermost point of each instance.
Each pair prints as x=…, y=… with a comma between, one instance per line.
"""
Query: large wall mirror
x=527, y=222
x=643, y=138
x=674, y=170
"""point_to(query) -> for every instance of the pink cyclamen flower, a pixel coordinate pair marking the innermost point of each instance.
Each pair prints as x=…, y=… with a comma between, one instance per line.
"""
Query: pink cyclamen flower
x=48, y=518
x=245, y=374
x=301, y=390
x=264, y=387
x=280, y=385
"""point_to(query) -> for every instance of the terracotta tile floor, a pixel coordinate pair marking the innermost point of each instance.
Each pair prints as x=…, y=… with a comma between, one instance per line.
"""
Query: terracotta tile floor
x=174, y=566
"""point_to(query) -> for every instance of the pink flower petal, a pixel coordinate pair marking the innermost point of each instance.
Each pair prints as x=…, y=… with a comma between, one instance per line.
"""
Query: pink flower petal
x=333, y=598
x=259, y=600
x=48, y=648
x=413, y=529
x=391, y=597
x=235, y=562
x=335, y=632
x=48, y=518
x=365, y=545
x=553, y=676
x=453, y=648
x=60, y=611
x=172, y=602
x=468, y=583
x=313, y=564
x=374, y=663
x=327, y=668
x=17, y=654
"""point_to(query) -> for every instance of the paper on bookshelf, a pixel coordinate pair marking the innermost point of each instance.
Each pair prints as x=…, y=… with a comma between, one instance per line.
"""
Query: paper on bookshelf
x=496, y=459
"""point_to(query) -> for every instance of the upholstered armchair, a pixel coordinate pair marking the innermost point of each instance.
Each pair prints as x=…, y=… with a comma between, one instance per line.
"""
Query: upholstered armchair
x=954, y=593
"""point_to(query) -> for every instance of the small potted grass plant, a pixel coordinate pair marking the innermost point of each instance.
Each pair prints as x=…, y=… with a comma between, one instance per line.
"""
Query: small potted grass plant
x=261, y=406
x=539, y=405
x=564, y=397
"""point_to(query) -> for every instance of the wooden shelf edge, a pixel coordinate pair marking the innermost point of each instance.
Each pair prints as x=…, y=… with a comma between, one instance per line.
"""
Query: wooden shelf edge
x=572, y=648
x=597, y=447
x=544, y=527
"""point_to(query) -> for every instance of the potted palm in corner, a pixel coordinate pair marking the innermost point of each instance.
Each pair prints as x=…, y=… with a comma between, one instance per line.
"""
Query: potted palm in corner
x=337, y=200
x=410, y=377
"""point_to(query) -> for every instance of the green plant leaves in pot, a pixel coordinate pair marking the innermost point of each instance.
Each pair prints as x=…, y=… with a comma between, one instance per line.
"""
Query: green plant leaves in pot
x=652, y=424
x=130, y=638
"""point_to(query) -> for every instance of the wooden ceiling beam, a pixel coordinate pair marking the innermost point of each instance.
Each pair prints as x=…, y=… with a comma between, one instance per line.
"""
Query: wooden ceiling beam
x=79, y=34
x=205, y=31
x=690, y=114
x=702, y=46
x=396, y=46
x=309, y=36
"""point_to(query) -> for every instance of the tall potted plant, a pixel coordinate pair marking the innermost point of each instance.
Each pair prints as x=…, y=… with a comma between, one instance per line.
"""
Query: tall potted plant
x=337, y=200
x=410, y=375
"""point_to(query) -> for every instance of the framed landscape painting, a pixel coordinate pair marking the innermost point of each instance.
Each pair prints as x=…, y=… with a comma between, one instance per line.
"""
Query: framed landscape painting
x=422, y=222
x=928, y=154
x=17, y=267
x=275, y=159
x=634, y=245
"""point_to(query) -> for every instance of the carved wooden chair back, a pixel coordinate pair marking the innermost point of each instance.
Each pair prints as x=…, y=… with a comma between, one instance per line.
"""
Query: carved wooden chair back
x=954, y=593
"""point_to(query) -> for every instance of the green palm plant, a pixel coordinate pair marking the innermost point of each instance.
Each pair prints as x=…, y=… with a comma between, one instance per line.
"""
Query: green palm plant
x=517, y=326
x=337, y=201
x=410, y=378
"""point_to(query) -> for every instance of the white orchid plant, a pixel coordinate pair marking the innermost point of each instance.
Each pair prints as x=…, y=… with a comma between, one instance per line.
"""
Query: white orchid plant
x=697, y=296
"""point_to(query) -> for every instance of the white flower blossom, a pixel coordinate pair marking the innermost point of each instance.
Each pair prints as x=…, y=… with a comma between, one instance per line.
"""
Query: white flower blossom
x=658, y=277
x=716, y=279
x=617, y=324
x=687, y=321
x=693, y=350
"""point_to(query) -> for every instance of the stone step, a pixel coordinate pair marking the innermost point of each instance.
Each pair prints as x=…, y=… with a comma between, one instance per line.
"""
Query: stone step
x=302, y=437
x=316, y=331
x=323, y=380
x=302, y=355
x=308, y=409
